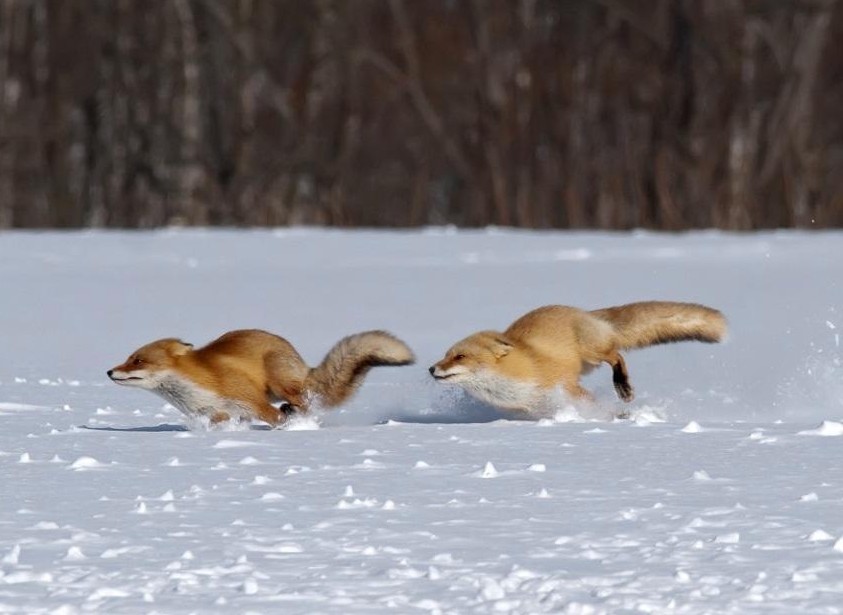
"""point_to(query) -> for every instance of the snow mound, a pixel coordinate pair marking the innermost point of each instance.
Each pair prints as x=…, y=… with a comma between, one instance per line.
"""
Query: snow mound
x=692, y=427
x=85, y=463
x=827, y=428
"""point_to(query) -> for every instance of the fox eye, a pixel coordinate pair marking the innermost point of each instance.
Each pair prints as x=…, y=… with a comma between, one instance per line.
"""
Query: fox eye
x=459, y=357
x=137, y=361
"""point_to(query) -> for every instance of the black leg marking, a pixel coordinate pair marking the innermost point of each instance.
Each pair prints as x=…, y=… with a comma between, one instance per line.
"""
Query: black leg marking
x=620, y=378
x=286, y=410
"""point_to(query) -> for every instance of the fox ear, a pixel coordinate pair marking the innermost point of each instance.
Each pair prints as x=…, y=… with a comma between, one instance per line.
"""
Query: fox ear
x=501, y=347
x=182, y=348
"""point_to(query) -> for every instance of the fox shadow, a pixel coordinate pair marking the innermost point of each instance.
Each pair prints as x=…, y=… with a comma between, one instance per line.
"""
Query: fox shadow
x=162, y=427
x=144, y=429
x=451, y=408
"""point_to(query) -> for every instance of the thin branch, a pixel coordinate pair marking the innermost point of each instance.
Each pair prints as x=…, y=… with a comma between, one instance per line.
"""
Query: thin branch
x=423, y=106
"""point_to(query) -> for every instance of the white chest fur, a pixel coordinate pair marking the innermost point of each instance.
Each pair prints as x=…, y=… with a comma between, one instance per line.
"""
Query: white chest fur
x=503, y=392
x=194, y=400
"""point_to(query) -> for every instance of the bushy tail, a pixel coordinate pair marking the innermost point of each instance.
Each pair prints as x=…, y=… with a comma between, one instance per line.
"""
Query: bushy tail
x=342, y=370
x=649, y=323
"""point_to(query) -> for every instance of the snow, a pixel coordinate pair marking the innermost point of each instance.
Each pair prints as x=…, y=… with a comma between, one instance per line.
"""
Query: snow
x=827, y=428
x=719, y=493
x=692, y=427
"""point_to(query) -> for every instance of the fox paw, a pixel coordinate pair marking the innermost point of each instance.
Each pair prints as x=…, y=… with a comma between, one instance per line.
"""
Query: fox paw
x=286, y=410
x=625, y=391
x=219, y=417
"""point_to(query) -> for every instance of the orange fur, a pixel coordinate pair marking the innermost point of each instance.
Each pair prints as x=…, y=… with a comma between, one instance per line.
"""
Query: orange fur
x=555, y=345
x=243, y=372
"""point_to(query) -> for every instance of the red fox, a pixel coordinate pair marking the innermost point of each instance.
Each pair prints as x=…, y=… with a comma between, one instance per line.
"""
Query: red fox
x=240, y=374
x=556, y=344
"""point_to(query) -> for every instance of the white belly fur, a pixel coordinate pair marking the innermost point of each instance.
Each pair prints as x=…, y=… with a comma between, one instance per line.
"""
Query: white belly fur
x=194, y=401
x=504, y=392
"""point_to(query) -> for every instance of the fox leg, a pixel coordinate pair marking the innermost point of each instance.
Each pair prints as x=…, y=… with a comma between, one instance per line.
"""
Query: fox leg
x=582, y=394
x=620, y=377
x=288, y=409
x=289, y=388
x=291, y=392
x=575, y=390
x=219, y=417
x=271, y=415
x=292, y=402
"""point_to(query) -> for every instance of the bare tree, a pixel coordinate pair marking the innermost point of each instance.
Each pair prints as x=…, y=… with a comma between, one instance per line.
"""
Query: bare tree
x=668, y=114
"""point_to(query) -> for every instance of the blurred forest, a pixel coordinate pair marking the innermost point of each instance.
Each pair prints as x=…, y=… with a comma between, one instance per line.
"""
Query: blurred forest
x=610, y=114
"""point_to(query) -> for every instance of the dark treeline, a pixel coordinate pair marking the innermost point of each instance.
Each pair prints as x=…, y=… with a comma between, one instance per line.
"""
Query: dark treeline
x=614, y=114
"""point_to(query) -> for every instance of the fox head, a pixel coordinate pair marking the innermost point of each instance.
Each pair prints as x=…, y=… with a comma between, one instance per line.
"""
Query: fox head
x=149, y=365
x=471, y=355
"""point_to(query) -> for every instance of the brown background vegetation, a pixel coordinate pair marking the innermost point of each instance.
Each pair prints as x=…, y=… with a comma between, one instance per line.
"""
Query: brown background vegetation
x=666, y=114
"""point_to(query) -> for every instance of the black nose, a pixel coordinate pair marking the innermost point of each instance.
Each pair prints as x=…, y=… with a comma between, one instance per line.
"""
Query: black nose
x=432, y=369
x=109, y=372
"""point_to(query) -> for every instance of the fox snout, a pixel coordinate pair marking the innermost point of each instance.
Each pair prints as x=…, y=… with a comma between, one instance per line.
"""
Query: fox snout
x=448, y=371
x=119, y=374
x=128, y=375
x=436, y=371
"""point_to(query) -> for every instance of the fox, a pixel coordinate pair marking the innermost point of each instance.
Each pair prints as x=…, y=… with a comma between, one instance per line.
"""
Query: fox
x=241, y=374
x=555, y=345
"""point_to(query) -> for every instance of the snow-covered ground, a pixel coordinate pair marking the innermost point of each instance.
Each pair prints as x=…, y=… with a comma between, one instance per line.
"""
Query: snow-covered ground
x=722, y=494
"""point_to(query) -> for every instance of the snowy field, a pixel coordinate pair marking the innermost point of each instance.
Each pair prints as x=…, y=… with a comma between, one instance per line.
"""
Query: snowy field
x=722, y=493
